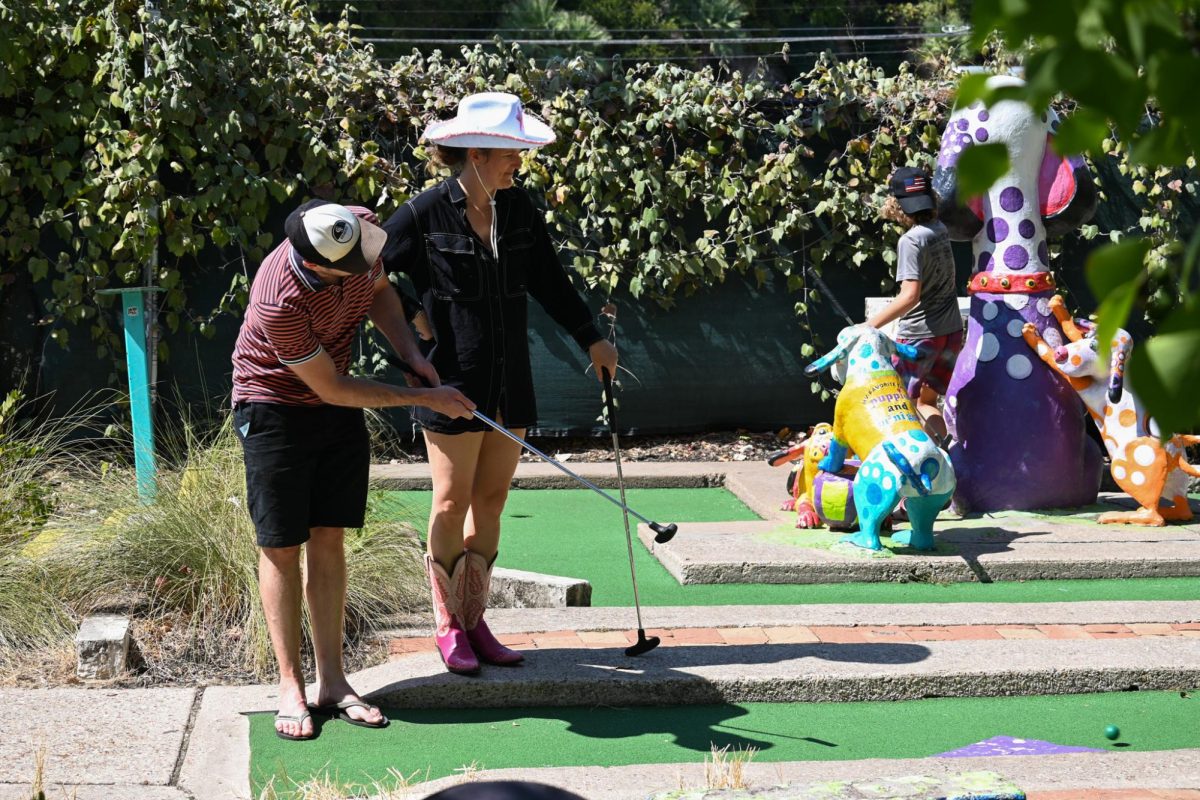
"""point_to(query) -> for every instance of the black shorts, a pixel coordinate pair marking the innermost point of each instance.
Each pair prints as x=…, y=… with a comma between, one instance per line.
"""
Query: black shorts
x=306, y=467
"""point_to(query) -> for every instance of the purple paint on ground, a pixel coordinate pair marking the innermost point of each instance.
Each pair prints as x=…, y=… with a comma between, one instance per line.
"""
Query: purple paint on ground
x=1010, y=746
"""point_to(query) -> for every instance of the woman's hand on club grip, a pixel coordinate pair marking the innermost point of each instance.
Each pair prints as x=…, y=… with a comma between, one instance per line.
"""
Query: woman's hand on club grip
x=448, y=401
x=604, y=357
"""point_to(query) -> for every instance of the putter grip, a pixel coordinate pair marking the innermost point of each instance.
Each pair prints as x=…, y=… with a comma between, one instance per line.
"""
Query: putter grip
x=396, y=362
x=608, y=399
x=825, y=290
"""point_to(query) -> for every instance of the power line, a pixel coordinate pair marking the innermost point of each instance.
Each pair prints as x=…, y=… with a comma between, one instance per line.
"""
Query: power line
x=712, y=57
x=656, y=30
x=390, y=6
x=771, y=55
x=672, y=42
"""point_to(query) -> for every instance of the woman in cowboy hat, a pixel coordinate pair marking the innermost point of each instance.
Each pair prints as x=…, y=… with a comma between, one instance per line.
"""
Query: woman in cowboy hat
x=475, y=247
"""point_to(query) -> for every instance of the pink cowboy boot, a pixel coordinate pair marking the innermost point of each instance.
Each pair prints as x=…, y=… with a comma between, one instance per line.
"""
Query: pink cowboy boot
x=478, y=581
x=451, y=638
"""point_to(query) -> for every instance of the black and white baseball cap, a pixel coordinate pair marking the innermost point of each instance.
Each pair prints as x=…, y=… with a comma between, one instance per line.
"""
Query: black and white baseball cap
x=330, y=235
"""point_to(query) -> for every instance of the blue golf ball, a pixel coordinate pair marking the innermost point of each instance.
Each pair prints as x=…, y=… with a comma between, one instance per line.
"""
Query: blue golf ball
x=1112, y=732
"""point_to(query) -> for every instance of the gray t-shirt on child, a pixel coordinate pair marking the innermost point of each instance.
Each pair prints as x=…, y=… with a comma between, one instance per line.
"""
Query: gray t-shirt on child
x=924, y=255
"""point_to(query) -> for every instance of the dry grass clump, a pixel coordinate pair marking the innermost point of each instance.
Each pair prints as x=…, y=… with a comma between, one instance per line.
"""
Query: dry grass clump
x=34, y=455
x=184, y=567
x=396, y=786
x=32, y=616
x=727, y=770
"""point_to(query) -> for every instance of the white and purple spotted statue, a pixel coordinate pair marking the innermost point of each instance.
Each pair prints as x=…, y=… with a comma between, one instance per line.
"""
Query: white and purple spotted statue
x=1020, y=434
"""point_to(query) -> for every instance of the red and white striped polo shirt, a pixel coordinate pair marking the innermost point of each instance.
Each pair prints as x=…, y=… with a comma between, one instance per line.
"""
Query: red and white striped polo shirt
x=291, y=318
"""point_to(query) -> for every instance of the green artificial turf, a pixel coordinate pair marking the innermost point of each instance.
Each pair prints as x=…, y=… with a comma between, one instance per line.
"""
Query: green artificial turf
x=577, y=533
x=427, y=744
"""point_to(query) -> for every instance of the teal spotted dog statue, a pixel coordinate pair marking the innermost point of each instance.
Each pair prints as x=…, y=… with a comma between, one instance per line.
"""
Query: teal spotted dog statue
x=875, y=418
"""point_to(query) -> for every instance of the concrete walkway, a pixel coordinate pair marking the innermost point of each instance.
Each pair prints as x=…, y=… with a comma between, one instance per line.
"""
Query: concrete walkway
x=182, y=743
x=160, y=744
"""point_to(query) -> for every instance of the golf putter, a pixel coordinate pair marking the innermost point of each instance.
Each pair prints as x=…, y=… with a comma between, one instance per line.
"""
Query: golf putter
x=824, y=289
x=644, y=643
x=662, y=533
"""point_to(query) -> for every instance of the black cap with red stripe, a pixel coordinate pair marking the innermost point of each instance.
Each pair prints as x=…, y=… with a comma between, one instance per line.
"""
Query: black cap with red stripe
x=913, y=188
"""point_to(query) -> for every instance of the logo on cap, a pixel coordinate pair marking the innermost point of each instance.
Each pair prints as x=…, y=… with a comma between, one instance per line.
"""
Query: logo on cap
x=916, y=183
x=342, y=231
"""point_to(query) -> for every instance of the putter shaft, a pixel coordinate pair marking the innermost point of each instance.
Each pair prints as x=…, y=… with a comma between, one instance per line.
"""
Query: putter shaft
x=663, y=533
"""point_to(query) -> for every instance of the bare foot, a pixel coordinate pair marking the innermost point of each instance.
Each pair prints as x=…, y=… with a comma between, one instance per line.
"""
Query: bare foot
x=342, y=692
x=292, y=704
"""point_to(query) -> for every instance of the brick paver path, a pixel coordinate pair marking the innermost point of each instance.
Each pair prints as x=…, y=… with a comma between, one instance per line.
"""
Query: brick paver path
x=1117, y=794
x=799, y=634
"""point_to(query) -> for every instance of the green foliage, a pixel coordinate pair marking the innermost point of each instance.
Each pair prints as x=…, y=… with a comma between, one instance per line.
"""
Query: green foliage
x=1130, y=67
x=126, y=130
x=544, y=19
x=664, y=179
x=709, y=16
x=981, y=166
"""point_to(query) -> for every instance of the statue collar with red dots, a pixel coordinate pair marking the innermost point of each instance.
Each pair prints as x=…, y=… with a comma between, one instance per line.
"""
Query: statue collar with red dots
x=1011, y=282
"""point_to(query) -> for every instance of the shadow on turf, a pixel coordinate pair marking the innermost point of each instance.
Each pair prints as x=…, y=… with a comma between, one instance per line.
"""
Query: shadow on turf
x=568, y=684
x=694, y=727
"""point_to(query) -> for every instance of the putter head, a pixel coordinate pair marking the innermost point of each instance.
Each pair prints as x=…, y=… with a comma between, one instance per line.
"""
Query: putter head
x=664, y=533
x=643, y=645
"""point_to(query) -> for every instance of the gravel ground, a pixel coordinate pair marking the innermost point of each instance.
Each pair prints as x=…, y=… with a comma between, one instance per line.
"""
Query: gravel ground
x=720, y=446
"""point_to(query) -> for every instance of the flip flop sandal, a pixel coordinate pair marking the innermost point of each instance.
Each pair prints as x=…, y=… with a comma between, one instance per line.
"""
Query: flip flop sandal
x=341, y=711
x=299, y=720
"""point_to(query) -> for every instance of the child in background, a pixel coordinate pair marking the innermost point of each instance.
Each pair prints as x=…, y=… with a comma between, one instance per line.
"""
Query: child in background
x=927, y=304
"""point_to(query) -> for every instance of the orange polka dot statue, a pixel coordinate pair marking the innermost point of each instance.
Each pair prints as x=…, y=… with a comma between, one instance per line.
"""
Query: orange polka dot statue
x=1153, y=473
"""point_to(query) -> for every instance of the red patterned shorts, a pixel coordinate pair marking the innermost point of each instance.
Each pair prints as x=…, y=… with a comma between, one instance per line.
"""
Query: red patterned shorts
x=934, y=364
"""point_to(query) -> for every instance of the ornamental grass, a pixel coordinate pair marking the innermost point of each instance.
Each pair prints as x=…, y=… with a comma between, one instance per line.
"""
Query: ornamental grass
x=183, y=567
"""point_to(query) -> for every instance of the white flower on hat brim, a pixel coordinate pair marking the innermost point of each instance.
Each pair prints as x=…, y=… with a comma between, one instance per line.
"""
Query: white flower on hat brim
x=493, y=120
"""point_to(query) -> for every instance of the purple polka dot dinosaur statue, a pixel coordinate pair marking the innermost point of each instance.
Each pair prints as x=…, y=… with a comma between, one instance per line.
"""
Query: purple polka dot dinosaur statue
x=1020, y=438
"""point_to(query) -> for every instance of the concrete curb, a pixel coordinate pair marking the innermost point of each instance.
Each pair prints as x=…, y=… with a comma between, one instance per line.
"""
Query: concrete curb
x=1021, y=550
x=820, y=672
x=637, y=474
x=507, y=621
x=1164, y=770
x=94, y=791
x=217, y=763
x=516, y=588
x=1002, y=547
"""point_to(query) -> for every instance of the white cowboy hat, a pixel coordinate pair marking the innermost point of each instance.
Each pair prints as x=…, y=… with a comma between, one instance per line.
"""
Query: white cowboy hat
x=491, y=119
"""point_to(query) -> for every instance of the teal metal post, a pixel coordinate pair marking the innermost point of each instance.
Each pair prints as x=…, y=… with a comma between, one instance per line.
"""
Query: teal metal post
x=134, y=314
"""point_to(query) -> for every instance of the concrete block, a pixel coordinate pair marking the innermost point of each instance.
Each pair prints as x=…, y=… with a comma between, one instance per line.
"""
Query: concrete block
x=515, y=588
x=960, y=786
x=102, y=647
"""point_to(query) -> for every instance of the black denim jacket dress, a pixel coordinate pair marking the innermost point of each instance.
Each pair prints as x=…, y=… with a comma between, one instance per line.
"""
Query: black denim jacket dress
x=477, y=303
